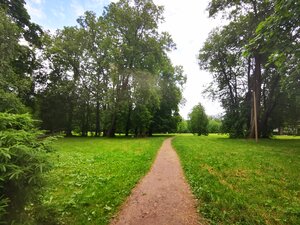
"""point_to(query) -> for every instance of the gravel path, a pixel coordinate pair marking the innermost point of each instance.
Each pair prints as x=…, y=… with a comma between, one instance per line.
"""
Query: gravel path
x=162, y=197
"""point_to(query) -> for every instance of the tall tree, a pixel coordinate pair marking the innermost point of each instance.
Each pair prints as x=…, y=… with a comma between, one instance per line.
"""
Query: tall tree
x=99, y=56
x=64, y=54
x=17, y=11
x=17, y=61
x=222, y=56
x=279, y=34
x=10, y=84
x=198, y=120
x=170, y=83
x=111, y=72
x=140, y=47
x=261, y=77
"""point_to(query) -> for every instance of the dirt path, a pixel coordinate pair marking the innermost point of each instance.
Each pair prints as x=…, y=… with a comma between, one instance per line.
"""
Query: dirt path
x=162, y=197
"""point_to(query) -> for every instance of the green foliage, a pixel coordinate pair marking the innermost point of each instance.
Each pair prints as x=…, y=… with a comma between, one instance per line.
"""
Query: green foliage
x=91, y=77
x=91, y=178
x=9, y=102
x=279, y=33
x=167, y=116
x=23, y=159
x=9, y=35
x=145, y=99
x=16, y=10
x=198, y=120
x=260, y=60
x=221, y=55
x=214, y=126
x=17, y=63
x=242, y=182
x=182, y=127
x=111, y=74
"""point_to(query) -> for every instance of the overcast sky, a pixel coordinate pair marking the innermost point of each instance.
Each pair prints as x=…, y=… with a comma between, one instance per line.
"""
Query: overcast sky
x=186, y=21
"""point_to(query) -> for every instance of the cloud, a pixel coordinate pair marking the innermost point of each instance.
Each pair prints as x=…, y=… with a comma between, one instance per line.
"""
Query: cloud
x=59, y=12
x=36, y=13
x=96, y=5
x=80, y=6
x=37, y=1
x=77, y=8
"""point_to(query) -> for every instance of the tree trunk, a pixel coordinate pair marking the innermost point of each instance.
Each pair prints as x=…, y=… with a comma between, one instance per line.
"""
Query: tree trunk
x=256, y=87
x=150, y=132
x=128, y=121
x=249, y=96
x=87, y=119
x=270, y=104
x=112, y=130
x=83, y=125
x=97, y=131
x=69, y=120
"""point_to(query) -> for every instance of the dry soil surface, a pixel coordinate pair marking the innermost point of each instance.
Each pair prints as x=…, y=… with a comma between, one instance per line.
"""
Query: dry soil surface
x=162, y=197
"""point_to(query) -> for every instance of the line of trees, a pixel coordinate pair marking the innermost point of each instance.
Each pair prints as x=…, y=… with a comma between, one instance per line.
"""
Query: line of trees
x=257, y=53
x=106, y=75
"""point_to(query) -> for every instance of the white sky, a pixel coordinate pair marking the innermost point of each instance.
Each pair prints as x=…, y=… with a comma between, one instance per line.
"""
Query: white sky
x=186, y=21
x=189, y=25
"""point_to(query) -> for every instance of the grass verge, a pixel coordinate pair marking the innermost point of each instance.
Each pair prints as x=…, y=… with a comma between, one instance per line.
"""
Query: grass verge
x=92, y=177
x=241, y=182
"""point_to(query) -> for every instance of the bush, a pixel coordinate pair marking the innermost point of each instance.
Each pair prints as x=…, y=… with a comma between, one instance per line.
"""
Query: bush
x=23, y=159
x=9, y=102
x=214, y=126
x=182, y=127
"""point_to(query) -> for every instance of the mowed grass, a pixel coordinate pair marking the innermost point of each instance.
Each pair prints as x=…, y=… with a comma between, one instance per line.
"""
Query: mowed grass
x=92, y=177
x=241, y=182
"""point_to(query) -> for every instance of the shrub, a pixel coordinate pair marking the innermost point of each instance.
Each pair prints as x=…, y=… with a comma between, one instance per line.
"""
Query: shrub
x=23, y=159
x=198, y=120
x=214, y=126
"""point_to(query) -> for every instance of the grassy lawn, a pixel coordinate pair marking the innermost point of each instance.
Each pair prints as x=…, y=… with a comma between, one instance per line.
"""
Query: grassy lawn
x=92, y=177
x=241, y=182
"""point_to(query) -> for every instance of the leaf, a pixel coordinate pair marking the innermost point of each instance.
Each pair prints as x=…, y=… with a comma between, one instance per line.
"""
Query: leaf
x=108, y=208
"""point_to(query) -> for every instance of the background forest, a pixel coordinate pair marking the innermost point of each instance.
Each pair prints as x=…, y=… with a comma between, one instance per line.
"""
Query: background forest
x=108, y=74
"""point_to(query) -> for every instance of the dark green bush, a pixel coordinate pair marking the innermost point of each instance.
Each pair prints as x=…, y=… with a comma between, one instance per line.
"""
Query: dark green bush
x=23, y=158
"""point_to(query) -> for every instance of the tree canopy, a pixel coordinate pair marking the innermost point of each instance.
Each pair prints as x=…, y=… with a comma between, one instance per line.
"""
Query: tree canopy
x=107, y=74
x=254, y=57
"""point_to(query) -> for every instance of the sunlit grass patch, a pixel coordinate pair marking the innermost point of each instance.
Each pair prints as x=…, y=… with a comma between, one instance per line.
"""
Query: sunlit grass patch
x=286, y=137
x=242, y=182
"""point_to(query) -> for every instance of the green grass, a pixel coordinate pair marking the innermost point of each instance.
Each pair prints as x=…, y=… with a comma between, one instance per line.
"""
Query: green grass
x=241, y=182
x=286, y=137
x=92, y=177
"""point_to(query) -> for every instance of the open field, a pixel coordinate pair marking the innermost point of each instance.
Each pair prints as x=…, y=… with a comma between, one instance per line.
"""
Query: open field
x=92, y=177
x=241, y=182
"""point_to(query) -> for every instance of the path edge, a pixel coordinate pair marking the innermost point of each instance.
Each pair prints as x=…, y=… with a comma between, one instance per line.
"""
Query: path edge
x=202, y=220
x=120, y=208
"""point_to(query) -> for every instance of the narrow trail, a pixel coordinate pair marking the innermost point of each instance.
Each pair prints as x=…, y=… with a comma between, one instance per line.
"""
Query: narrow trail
x=162, y=197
